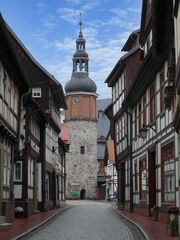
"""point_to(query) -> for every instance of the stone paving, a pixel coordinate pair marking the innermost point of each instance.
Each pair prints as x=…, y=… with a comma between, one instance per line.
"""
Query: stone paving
x=87, y=220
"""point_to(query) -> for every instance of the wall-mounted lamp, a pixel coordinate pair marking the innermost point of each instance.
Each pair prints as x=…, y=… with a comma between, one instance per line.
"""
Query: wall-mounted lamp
x=53, y=149
x=143, y=131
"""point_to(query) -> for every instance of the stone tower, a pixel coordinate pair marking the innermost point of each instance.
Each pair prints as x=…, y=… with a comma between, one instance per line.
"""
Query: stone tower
x=80, y=118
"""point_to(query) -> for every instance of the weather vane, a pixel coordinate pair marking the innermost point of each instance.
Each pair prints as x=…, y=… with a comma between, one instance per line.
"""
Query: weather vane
x=80, y=22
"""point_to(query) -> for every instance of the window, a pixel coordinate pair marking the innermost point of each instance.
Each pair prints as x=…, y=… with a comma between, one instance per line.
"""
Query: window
x=47, y=190
x=18, y=171
x=135, y=176
x=100, y=114
x=30, y=172
x=152, y=103
x=36, y=92
x=128, y=172
x=7, y=169
x=168, y=173
x=162, y=105
x=35, y=129
x=142, y=179
x=82, y=150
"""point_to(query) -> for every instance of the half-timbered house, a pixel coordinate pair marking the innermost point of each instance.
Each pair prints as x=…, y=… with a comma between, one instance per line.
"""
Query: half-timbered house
x=13, y=88
x=148, y=180
x=38, y=187
x=120, y=79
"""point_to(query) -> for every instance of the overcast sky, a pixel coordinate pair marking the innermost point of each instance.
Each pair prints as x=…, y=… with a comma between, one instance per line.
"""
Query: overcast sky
x=49, y=29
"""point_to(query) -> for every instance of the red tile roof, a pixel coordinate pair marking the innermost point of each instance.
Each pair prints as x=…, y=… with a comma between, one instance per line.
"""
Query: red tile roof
x=64, y=134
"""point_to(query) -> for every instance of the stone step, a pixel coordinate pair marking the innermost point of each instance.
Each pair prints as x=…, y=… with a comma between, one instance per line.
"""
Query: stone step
x=5, y=226
x=2, y=219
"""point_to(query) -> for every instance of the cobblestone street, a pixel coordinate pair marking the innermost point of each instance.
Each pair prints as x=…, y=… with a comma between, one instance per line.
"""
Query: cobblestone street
x=87, y=220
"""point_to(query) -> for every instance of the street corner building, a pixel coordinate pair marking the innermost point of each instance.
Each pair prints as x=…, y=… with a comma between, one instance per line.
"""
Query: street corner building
x=80, y=118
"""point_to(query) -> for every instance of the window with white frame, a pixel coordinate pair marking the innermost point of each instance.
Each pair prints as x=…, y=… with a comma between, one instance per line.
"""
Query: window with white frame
x=7, y=168
x=168, y=173
x=169, y=180
x=18, y=171
x=47, y=190
x=35, y=129
x=30, y=172
x=142, y=180
x=36, y=92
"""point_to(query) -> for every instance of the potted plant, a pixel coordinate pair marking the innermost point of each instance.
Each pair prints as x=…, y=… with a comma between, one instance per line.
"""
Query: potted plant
x=19, y=212
x=173, y=220
x=154, y=212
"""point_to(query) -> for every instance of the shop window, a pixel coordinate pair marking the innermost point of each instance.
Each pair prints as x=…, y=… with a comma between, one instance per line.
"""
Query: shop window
x=168, y=173
x=135, y=177
x=142, y=180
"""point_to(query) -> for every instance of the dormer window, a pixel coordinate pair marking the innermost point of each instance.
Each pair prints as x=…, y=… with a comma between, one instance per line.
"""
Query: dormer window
x=36, y=92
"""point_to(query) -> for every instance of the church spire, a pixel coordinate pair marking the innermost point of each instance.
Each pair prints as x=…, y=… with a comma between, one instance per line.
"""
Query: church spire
x=80, y=80
x=80, y=57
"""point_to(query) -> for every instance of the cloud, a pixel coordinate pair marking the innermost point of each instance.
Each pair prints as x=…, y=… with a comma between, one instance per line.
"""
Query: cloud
x=134, y=10
x=74, y=1
x=117, y=21
x=71, y=14
x=89, y=6
x=44, y=42
x=41, y=7
x=120, y=12
x=68, y=14
x=68, y=44
x=49, y=25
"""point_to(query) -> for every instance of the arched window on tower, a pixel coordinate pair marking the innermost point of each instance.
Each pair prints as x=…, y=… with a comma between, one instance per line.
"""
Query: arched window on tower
x=101, y=114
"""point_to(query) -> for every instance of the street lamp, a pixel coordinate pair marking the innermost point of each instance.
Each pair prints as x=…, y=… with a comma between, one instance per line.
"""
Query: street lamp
x=143, y=131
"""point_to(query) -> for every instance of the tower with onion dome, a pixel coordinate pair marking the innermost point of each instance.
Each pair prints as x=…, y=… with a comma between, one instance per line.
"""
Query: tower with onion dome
x=81, y=160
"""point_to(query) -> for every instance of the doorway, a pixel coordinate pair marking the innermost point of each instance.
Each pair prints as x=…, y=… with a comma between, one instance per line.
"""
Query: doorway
x=122, y=184
x=152, y=179
x=83, y=194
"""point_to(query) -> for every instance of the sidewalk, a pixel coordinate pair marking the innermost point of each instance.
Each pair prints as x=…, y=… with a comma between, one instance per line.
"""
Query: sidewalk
x=154, y=230
x=24, y=225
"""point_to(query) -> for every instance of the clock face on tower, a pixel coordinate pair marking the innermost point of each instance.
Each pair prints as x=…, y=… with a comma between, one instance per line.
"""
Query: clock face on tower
x=74, y=100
